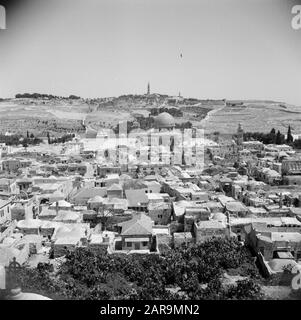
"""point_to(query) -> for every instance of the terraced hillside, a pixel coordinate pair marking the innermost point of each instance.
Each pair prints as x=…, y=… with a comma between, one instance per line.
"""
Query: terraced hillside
x=254, y=116
x=58, y=115
x=64, y=115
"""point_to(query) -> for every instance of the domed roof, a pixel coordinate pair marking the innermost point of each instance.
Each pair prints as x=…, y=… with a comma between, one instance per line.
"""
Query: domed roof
x=17, y=294
x=164, y=120
x=96, y=199
x=29, y=224
x=219, y=216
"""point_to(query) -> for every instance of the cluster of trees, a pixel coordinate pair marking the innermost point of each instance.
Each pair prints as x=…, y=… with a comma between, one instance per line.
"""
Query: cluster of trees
x=184, y=125
x=148, y=123
x=193, y=272
x=43, y=96
x=175, y=112
x=63, y=139
x=297, y=143
x=16, y=139
x=73, y=97
x=36, y=96
x=269, y=138
x=144, y=124
x=274, y=138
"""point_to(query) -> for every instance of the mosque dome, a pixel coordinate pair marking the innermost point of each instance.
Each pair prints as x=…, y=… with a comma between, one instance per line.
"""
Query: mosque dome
x=164, y=120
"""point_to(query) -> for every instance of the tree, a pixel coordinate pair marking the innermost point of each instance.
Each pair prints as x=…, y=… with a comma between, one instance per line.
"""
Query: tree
x=196, y=269
x=236, y=165
x=272, y=136
x=25, y=144
x=48, y=138
x=72, y=96
x=297, y=143
x=183, y=159
x=289, y=138
x=245, y=290
x=278, y=137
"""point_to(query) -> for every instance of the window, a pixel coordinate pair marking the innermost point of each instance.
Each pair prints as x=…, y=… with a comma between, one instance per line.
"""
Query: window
x=129, y=244
x=160, y=216
x=144, y=243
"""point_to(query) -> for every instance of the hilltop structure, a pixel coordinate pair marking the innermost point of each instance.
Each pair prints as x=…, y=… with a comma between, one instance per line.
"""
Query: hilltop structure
x=240, y=135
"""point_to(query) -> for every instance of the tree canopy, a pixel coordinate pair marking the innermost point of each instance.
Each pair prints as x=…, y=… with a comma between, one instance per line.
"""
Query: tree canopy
x=193, y=272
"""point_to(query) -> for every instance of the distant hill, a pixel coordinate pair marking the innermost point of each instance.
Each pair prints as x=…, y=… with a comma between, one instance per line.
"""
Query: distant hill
x=42, y=113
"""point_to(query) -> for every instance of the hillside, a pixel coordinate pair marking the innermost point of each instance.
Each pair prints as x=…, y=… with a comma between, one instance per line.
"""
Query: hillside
x=59, y=115
x=41, y=114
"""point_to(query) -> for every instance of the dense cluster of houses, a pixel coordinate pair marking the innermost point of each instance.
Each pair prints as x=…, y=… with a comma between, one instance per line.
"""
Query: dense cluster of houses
x=53, y=203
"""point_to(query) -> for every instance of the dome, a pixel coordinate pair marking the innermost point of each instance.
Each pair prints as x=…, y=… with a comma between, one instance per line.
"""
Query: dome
x=96, y=199
x=164, y=120
x=29, y=224
x=219, y=216
x=17, y=294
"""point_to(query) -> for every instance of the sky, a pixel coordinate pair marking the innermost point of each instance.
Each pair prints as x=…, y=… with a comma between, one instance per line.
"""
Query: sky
x=206, y=49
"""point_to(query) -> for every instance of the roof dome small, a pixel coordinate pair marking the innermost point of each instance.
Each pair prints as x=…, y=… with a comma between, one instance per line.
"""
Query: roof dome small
x=219, y=216
x=96, y=199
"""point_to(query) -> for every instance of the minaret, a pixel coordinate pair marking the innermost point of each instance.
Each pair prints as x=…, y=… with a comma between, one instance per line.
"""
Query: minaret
x=240, y=135
x=148, y=89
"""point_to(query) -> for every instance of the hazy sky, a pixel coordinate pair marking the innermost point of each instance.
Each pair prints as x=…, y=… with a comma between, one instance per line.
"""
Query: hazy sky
x=95, y=48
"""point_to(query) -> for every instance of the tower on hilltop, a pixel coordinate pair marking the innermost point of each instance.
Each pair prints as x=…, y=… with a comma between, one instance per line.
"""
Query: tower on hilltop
x=148, y=88
x=240, y=135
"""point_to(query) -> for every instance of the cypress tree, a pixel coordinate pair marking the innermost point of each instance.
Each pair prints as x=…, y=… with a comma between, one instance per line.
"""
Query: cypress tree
x=289, y=138
x=278, y=138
